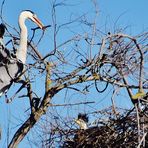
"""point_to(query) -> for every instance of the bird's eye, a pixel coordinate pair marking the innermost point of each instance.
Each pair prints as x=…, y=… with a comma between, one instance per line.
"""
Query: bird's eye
x=34, y=15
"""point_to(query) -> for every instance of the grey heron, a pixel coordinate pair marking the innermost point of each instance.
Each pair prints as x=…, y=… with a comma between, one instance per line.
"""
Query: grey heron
x=12, y=64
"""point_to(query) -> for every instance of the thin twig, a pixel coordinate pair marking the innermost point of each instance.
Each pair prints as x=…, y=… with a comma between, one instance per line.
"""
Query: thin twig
x=71, y=104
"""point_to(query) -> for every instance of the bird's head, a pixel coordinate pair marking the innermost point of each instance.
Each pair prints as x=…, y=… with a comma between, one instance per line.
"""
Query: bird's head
x=32, y=16
x=82, y=121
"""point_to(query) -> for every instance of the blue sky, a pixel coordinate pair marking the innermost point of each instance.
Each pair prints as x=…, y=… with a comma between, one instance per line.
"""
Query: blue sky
x=133, y=12
x=114, y=13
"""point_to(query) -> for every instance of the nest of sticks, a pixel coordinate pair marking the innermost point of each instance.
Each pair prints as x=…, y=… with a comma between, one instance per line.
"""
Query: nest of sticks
x=130, y=129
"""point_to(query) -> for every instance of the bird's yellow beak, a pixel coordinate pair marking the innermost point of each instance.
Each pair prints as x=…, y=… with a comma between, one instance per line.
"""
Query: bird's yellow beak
x=38, y=22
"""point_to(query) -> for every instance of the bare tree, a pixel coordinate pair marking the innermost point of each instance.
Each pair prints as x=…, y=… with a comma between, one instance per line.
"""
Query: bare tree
x=89, y=61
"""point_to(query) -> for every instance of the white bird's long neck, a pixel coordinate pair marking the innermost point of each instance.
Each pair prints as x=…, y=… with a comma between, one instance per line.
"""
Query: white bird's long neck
x=22, y=51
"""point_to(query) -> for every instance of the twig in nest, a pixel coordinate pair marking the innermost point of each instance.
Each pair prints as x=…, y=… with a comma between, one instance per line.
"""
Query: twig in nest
x=34, y=29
